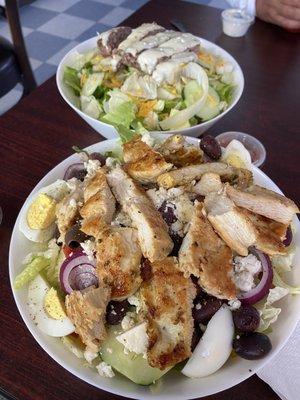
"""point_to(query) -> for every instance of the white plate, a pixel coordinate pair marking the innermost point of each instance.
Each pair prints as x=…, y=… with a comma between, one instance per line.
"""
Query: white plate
x=175, y=386
x=108, y=131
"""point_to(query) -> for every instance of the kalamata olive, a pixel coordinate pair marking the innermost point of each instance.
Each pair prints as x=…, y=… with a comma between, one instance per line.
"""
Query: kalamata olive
x=76, y=170
x=211, y=147
x=246, y=318
x=205, y=308
x=74, y=236
x=252, y=346
x=146, y=270
x=197, y=333
x=288, y=236
x=167, y=212
x=177, y=240
x=116, y=311
x=98, y=156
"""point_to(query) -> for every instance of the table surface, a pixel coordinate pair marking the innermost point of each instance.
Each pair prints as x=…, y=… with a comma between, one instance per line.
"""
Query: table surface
x=38, y=133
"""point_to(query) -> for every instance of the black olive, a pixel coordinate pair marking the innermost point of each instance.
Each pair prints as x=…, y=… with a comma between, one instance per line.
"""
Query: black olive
x=246, y=318
x=74, y=236
x=252, y=346
x=177, y=240
x=211, y=147
x=205, y=308
x=167, y=212
x=116, y=311
x=98, y=156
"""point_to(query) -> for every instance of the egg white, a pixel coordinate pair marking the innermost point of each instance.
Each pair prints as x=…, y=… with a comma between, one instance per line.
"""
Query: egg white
x=57, y=191
x=237, y=148
x=37, y=290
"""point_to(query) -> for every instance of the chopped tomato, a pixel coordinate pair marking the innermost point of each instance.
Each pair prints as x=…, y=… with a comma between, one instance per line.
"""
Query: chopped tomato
x=67, y=250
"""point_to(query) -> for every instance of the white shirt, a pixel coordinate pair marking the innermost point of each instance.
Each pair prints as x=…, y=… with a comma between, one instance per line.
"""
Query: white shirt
x=249, y=5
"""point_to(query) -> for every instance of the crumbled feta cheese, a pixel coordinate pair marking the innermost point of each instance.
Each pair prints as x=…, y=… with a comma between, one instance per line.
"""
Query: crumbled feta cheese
x=73, y=203
x=73, y=184
x=135, y=301
x=148, y=139
x=198, y=306
x=90, y=356
x=234, y=304
x=245, y=270
x=105, y=370
x=127, y=323
x=135, y=339
x=89, y=248
x=111, y=162
x=91, y=166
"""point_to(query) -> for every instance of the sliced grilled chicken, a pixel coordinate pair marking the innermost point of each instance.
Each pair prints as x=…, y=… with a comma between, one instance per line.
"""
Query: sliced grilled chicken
x=153, y=236
x=270, y=234
x=86, y=309
x=99, y=204
x=234, y=227
x=167, y=300
x=240, y=177
x=142, y=162
x=206, y=256
x=208, y=183
x=118, y=261
x=108, y=41
x=141, y=32
x=264, y=202
x=179, y=152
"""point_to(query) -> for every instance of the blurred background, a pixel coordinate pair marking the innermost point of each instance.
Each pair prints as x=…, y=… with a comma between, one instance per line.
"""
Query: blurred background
x=53, y=27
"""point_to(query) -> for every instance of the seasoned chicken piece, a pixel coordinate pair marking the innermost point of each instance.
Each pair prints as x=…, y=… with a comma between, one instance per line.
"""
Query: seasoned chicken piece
x=264, y=202
x=153, y=235
x=118, y=261
x=206, y=256
x=167, y=300
x=234, y=227
x=184, y=175
x=142, y=162
x=86, y=309
x=270, y=234
x=99, y=204
x=208, y=183
x=67, y=210
x=179, y=152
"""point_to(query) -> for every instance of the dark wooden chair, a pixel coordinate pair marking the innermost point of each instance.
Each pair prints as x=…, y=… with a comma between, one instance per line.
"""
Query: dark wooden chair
x=14, y=62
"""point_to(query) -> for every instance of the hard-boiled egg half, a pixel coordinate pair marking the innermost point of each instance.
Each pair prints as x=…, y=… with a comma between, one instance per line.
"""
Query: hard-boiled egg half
x=38, y=220
x=237, y=155
x=214, y=347
x=47, y=310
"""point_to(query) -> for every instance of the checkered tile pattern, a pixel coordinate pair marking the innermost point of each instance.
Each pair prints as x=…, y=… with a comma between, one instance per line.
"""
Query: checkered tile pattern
x=52, y=27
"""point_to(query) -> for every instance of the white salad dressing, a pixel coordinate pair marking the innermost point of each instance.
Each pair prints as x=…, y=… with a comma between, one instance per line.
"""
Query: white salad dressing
x=138, y=34
x=150, y=41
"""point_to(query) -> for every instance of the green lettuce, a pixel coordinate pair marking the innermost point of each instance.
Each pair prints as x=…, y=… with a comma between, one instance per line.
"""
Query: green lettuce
x=71, y=79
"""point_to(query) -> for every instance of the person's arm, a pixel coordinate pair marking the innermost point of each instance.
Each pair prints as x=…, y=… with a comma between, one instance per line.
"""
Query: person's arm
x=248, y=5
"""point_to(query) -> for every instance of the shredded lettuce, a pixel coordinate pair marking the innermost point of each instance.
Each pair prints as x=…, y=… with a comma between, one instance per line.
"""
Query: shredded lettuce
x=121, y=109
x=278, y=281
x=283, y=263
x=90, y=106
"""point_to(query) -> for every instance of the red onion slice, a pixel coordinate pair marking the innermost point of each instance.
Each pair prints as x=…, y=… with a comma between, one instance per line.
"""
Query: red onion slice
x=77, y=272
x=263, y=287
x=76, y=170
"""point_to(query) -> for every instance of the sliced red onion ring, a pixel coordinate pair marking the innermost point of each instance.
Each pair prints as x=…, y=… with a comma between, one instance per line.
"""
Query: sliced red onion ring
x=77, y=272
x=288, y=236
x=76, y=170
x=263, y=287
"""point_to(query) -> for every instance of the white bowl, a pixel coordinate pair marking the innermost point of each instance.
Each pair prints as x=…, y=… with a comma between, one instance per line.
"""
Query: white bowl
x=174, y=385
x=108, y=131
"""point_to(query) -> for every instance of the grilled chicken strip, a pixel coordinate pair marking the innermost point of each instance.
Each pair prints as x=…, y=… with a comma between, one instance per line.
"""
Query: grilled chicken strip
x=153, y=235
x=177, y=177
x=118, y=261
x=208, y=183
x=142, y=162
x=206, y=256
x=108, y=41
x=270, y=234
x=86, y=309
x=141, y=32
x=234, y=227
x=99, y=204
x=264, y=202
x=178, y=151
x=167, y=300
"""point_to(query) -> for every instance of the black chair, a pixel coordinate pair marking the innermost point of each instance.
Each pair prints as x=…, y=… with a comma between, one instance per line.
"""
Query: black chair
x=14, y=62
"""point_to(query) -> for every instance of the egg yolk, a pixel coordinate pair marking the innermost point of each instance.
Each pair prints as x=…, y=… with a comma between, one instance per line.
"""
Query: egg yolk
x=235, y=161
x=145, y=107
x=41, y=213
x=53, y=305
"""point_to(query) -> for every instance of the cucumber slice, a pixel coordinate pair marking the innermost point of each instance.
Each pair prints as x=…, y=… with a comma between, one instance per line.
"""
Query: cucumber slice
x=192, y=92
x=133, y=366
x=211, y=107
